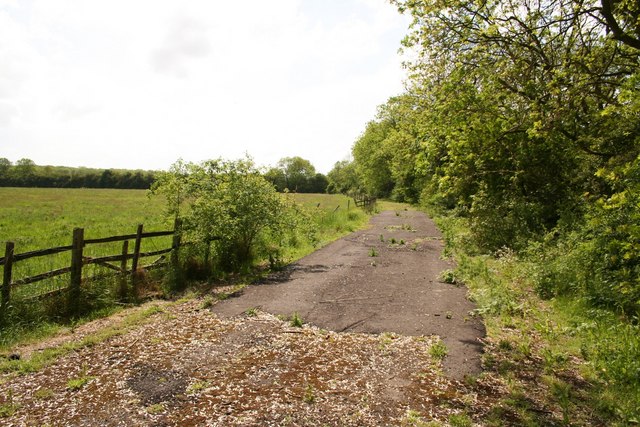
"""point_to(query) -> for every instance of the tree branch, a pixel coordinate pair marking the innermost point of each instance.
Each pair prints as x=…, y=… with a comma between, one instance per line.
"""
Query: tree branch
x=614, y=27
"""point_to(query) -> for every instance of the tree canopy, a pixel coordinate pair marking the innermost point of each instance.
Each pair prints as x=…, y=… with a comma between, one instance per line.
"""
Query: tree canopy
x=25, y=173
x=296, y=174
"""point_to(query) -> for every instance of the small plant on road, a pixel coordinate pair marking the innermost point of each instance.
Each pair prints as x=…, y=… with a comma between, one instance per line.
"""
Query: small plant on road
x=309, y=394
x=296, y=320
x=460, y=420
x=373, y=252
x=438, y=350
x=79, y=382
x=155, y=409
x=251, y=312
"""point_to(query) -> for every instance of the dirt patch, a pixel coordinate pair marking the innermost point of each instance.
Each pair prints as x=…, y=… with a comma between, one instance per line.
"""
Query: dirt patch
x=157, y=385
x=187, y=367
x=382, y=279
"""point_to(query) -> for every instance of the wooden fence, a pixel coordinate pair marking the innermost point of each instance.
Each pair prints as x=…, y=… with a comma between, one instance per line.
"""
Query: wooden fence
x=364, y=201
x=78, y=261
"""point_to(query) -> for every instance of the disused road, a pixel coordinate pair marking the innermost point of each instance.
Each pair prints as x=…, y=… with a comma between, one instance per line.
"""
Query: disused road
x=382, y=279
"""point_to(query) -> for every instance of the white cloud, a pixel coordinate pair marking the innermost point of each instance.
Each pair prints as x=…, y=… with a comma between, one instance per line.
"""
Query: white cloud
x=139, y=84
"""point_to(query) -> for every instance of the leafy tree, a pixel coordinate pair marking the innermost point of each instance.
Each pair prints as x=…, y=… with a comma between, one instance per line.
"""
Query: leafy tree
x=513, y=107
x=373, y=157
x=24, y=170
x=5, y=165
x=298, y=175
x=277, y=177
x=343, y=178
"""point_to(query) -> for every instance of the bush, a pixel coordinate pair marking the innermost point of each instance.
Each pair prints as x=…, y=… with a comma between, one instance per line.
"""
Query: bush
x=231, y=208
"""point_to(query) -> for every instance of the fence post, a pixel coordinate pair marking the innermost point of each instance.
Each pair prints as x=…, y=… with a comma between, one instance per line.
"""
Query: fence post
x=134, y=262
x=177, y=234
x=77, y=246
x=176, y=271
x=123, y=268
x=6, y=282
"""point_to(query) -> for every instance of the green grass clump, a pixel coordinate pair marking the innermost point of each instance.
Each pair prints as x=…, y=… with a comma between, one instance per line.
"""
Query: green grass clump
x=296, y=321
x=438, y=350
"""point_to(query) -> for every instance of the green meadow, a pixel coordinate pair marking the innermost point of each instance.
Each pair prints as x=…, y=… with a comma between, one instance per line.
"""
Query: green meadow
x=36, y=218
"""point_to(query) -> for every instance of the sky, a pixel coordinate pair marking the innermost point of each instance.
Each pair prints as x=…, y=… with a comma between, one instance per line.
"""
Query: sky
x=138, y=84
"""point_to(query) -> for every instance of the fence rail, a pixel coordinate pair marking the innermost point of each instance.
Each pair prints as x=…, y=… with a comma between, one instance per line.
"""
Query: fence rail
x=78, y=261
x=364, y=201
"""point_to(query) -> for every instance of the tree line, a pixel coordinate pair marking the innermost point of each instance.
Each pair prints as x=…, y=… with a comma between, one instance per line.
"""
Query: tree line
x=290, y=174
x=523, y=118
x=25, y=173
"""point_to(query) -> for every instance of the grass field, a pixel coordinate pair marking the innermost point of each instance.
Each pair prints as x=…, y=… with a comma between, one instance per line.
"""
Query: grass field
x=36, y=218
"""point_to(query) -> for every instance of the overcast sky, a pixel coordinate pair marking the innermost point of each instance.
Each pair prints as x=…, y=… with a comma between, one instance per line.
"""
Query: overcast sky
x=140, y=83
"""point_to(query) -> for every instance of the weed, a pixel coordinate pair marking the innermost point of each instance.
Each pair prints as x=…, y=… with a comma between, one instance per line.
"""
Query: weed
x=9, y=407
x=401, y=242
x=221, y=296
x=252, y=312
x=373, y=252
x=309, y=394
x=155, y=409
x=561, y=391
x=460, y=420
x=207, y=302
x=393, y=240
x=296, y=320
x=44, y=393
x=381, y=238
x=552, y=359
x=414, y=419
x=79, y=382
x=448, y=276
x=386, y=339
x=197, y=387
x=438, y=350
x=505, y=345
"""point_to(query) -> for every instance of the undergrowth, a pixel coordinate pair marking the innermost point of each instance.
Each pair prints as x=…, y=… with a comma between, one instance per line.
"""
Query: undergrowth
x=552, y=349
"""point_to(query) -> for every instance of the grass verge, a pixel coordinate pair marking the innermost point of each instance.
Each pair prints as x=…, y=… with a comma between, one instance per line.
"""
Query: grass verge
x=563, y=361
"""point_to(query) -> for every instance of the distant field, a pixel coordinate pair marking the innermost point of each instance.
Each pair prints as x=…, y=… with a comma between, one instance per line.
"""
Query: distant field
x=36, y=218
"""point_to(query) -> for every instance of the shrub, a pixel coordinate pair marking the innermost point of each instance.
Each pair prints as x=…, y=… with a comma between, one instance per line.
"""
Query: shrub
x=231, y=207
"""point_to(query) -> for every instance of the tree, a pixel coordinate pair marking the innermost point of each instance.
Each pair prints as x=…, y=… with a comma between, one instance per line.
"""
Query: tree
x=5, y=165
x=372, y=158
x=298, y=173
x=343, y=178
